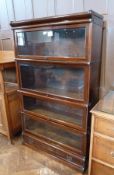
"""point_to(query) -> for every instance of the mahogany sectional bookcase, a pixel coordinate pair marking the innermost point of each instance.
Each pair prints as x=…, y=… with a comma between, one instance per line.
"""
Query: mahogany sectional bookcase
x=58, y=65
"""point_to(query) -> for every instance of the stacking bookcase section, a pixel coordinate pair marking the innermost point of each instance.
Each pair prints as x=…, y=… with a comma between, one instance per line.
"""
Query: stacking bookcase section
x=66, y=113
x=56, y=134
x=58, y=68
x=63, y=80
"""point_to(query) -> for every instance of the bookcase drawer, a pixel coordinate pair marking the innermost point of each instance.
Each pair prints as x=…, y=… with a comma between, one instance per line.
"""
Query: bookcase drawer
x=75, y=160
x=68, y=114
x=61, y=136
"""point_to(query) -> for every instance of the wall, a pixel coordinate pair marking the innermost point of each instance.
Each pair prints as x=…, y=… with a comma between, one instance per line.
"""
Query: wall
x=28, y=9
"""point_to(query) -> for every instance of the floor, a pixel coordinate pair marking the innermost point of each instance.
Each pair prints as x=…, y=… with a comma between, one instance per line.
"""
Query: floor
x=18, y=159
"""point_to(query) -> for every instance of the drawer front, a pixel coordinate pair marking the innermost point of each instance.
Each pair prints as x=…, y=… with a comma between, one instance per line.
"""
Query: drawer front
x=76, y=160
x=103, y=149
x=56, y=134
x=63, y=81
x=68, y=114
x=104, y=126
x=99, y=169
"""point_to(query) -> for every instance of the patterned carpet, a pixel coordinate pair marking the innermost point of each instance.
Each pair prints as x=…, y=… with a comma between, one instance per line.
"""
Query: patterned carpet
x=18, y=159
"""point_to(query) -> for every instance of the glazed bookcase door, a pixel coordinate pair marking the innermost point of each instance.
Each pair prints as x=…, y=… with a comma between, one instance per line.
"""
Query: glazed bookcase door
x=58, y=80
x=68, y=114
x=61, y=136
x=58, y=43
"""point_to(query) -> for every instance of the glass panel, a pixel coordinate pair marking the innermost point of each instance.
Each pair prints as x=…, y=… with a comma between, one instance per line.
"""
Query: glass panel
x=57, y=42
x=67, y=82
x=54, y=110
x=52, y=132
x=9, y=75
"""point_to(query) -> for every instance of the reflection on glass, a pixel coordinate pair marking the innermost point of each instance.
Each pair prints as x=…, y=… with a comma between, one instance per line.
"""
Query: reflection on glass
x=21, y=39
x=57, y=42
x=67, y=82
x=54, y=133
x=9, y=76
x=54, y=110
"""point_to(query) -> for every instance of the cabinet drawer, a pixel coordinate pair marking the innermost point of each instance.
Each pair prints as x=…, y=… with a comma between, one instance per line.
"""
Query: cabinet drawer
x=100, y=169
x=73, y=159
x=103, y=149
x=68, y=114
x=59, y=80
x=104, y=126
x=56, y=134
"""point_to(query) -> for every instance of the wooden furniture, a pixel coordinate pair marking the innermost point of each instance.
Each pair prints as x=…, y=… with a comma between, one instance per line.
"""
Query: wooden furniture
x=102, y=137
x=10, y=122
x=58, y=67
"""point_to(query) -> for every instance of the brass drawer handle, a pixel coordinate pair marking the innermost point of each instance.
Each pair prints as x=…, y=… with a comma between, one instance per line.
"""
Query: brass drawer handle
x=112, y=154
